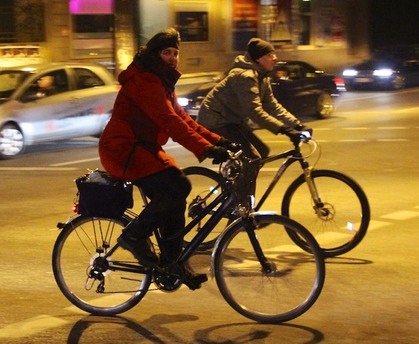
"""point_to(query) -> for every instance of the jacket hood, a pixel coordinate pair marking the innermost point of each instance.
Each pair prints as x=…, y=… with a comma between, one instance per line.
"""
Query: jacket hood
x=128, y=73
x=245, y=62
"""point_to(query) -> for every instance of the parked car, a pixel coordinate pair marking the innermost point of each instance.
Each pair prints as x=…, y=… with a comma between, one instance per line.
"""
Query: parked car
x=390, y=68
x=299, y=87
x=50, y=102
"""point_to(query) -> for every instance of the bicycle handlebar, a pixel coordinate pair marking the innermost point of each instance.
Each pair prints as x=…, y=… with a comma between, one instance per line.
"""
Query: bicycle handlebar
x=305, y=136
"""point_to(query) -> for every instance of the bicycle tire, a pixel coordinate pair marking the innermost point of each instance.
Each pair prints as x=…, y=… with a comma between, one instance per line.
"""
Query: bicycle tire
x=79, y=246
x=346, y=211
x=283, y=294
x=204, y=182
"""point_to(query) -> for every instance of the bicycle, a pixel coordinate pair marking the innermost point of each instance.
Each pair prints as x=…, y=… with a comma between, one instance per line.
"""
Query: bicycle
x=259, y=271
x=330, y=204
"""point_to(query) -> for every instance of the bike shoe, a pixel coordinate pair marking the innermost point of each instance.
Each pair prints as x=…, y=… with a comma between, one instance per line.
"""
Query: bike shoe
x=140, y=248
x=193, y=280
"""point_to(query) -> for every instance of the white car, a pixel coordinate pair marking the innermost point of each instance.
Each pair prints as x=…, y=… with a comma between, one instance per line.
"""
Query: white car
x=51, y=102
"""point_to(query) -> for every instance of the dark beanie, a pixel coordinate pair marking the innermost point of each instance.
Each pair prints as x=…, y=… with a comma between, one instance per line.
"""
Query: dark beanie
x=168, y=38
x=257, y=48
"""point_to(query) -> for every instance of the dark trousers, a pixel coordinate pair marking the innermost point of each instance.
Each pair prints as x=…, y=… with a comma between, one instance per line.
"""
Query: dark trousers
x=167, y=191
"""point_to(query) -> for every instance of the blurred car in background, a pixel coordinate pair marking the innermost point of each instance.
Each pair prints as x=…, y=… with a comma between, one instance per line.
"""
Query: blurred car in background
x=390, y=68
x=191, y=90
x=50, y=102
x=299, y=87
x=303, y=89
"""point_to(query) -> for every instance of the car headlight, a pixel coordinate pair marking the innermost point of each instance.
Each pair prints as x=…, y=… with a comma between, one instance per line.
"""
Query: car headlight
x=183, y=101
x=350, y=72
x=385, y=72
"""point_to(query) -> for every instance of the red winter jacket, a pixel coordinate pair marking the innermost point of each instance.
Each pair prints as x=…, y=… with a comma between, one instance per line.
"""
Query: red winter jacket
x=144, y=117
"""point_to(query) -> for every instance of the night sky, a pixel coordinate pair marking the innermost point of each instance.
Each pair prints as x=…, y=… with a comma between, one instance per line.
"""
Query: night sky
x=394, y=22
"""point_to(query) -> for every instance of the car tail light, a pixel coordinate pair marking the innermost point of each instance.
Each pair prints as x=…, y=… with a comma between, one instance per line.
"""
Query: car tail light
x=340, y=83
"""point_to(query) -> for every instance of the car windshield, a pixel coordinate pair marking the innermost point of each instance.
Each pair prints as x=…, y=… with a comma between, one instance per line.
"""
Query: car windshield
x=9, y=81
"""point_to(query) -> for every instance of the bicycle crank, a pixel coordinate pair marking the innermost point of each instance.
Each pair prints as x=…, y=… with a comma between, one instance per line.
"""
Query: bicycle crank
x=168, y=278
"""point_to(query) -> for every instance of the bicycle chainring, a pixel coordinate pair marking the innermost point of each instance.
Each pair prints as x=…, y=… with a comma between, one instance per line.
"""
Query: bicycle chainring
x=168, y=278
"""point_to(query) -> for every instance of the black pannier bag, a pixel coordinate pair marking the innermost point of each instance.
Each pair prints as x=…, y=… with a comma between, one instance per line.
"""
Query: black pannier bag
x=100, y=195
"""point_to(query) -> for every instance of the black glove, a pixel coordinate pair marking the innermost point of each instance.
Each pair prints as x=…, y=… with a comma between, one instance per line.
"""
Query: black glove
x=227, y=144
x=294, y=135
x=302, y=127
x=217, y=153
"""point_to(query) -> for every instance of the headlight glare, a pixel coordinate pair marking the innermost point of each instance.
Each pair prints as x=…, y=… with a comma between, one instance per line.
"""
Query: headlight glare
x=385, y=72
x=183, y=101
x=350, y=72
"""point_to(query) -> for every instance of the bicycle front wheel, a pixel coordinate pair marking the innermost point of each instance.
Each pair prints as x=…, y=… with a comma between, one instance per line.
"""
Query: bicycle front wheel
x=262, y=274
x=206, y=187
x=98, y=285
x=339, y=222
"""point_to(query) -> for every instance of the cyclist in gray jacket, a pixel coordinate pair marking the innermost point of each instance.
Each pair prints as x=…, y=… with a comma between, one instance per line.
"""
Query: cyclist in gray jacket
x=243, y=101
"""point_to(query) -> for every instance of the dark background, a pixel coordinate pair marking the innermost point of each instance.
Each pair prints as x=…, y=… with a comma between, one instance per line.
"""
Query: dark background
x=394, y=22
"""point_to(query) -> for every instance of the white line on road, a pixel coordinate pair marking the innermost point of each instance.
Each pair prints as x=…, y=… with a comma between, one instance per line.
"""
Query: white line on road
x=38, y=168
x=75, y=162
x=401, y=215
x=31, y=326
x=393, y=140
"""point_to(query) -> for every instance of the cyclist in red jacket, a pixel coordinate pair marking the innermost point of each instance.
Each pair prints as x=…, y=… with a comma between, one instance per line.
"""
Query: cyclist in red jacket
x=145, y=115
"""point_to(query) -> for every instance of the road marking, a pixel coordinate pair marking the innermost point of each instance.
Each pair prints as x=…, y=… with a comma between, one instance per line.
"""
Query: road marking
x=401, y=215
x=375, y=224
x=392, y=128
x=393, y=140
x=75, y=162
x=38, y=168
x=31, y=326
x=354, y=140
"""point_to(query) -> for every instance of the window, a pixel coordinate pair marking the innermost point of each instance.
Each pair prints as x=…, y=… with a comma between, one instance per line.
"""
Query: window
x=47, y=85
x=93, y=28
x=193, y=26
x=305, y=19
x=7, y=25
x=87, y=79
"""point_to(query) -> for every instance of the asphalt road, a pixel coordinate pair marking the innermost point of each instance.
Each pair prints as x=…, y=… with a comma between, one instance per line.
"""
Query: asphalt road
x=370, y=294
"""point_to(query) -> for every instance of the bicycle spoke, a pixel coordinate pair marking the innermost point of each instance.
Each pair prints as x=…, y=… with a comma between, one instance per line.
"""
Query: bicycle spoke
x=89, y=280
x=284, y=291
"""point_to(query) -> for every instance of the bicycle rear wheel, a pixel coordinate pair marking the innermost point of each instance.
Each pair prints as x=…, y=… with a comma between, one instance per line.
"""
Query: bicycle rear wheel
x=102, y=286
x=205, y=188
x=281, y=290
x=344, y=215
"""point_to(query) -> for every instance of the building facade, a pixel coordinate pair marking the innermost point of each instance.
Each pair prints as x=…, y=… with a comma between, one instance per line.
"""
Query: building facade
x=327, y=33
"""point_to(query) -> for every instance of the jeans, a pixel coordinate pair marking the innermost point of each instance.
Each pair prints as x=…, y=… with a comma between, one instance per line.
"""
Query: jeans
x=167, y=191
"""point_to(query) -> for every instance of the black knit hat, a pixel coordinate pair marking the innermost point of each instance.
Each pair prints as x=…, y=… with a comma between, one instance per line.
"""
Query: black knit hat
x=168, y=38
x=257, y=48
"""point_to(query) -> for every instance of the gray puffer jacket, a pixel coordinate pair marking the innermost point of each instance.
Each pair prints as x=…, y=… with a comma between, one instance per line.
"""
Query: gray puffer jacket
x=245, y=93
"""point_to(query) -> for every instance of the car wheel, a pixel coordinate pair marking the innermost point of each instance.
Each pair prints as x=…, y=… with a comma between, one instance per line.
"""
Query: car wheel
x=11, y=141
x=399, y=82
x=325, y=105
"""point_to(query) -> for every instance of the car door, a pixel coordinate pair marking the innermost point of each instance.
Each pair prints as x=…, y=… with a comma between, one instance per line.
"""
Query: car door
x=292, y=91
x=92, y=100
x=41, y=112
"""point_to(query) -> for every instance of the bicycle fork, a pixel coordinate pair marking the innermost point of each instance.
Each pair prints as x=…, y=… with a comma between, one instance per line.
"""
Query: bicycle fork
x=250, y=226
x=319, y=207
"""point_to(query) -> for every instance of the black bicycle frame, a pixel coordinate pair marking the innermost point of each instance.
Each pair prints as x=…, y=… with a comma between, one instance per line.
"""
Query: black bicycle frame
x=292, y=156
